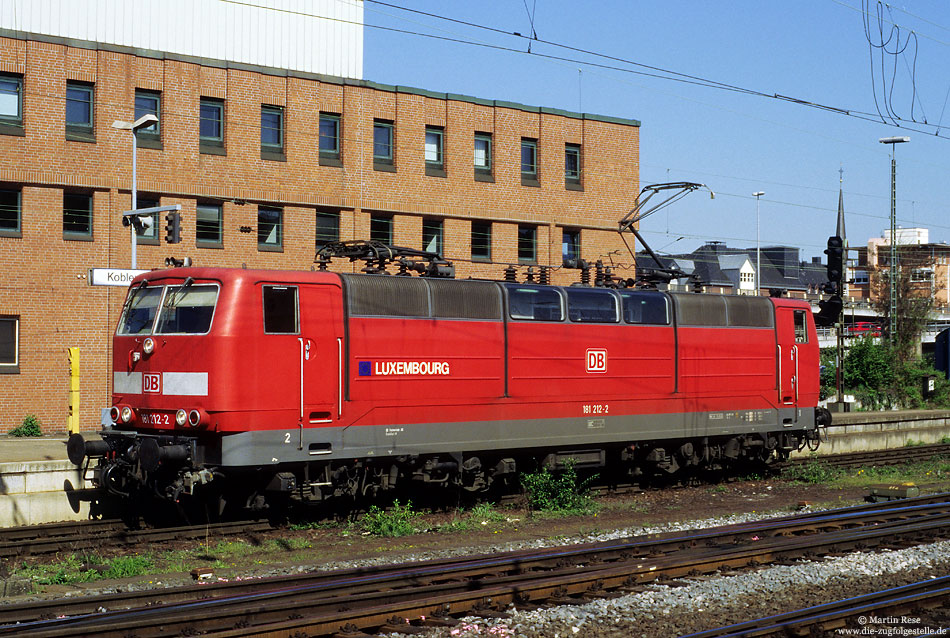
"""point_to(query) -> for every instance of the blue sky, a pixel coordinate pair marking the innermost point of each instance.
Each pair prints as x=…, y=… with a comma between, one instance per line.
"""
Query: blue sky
x=736, y=143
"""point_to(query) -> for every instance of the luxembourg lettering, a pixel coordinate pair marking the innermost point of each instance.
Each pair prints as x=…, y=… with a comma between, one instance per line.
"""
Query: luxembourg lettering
x=403, y=368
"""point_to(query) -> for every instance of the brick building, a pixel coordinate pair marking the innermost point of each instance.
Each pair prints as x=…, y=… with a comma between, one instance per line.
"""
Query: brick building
x=267, y=163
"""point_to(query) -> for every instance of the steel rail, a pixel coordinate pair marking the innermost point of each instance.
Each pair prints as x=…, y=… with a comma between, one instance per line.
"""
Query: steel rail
x=519, y=582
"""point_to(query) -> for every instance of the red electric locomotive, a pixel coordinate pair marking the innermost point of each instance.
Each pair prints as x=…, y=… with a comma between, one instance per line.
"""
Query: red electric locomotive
x=316, y=384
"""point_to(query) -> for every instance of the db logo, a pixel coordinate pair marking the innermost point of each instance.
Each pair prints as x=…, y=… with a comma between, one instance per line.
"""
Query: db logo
x=152, y=382
x=596, y=360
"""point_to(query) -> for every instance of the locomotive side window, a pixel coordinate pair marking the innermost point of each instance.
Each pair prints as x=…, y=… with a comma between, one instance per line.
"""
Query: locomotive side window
x=140, y=310
x=585, y=305
x=534, y=303
x=801, y=327
x=280, y=310
x=187, y=309
x=645, y=307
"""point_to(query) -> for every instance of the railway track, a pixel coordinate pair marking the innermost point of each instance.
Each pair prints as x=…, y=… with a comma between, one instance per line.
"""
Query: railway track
x=381, y=599
x=893, y=456
x=51, y=538
x=823, y=619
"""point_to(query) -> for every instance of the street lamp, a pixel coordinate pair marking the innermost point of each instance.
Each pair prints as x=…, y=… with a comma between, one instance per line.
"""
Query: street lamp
x=144, y=121
x=892, y=273
x=758, y=257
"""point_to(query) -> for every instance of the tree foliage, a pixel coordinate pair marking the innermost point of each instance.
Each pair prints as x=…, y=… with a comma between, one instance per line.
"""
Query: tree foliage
x=914, y=302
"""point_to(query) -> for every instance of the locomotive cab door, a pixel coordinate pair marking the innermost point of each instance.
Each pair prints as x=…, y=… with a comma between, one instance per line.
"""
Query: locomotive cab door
x=792, y=330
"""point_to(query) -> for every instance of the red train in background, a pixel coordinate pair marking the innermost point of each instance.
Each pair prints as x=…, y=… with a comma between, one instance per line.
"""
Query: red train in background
x=248, y=384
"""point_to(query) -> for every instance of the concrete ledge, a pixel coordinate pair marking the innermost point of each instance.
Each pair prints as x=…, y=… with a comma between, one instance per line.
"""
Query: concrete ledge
x=42, y=507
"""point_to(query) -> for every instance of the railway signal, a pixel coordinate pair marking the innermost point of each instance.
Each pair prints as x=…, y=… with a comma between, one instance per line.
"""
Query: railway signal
x=172, y=227
x=835, y=252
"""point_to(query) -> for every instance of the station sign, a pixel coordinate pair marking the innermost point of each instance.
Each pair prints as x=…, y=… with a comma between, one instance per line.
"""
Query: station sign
x=112, y=276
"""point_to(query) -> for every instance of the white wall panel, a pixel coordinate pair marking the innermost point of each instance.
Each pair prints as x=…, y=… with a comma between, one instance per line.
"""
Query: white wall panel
x=317, y=36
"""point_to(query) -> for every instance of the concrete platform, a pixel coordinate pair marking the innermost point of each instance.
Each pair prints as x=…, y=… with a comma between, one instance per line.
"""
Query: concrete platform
x=38, y=484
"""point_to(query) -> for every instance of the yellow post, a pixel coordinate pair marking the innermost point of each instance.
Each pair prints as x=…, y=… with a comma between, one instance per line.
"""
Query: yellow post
x=72, y=421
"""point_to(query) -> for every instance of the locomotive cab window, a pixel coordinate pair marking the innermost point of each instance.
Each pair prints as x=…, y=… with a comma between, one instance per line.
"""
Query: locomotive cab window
x=585, y=305
x=138, y=317
x=801, y=327
x=280, y=310
x=187, y=309
x=645, y=307
x=534, y=303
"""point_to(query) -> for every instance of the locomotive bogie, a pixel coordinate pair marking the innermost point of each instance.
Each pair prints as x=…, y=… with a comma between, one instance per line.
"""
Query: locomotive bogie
x=318, y=385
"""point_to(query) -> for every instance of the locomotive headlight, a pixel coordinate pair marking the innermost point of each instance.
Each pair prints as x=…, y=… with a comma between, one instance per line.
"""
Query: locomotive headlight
x=148, y=346
x=114, y=414
x=127, y=414
x=181, y=418
x=194, y=418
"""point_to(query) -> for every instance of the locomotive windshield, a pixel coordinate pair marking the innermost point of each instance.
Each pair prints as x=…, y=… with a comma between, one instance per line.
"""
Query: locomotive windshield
x=178, y=309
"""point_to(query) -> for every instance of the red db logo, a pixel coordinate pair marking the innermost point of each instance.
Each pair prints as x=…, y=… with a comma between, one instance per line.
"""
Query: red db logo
x=152, y=382
x=596, y=360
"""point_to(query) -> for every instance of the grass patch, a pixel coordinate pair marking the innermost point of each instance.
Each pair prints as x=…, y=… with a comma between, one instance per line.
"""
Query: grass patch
x=816, y=471
x=86, y=568
x=813, y=471
x=558, y=493
x=479, y=516
x=399, y=520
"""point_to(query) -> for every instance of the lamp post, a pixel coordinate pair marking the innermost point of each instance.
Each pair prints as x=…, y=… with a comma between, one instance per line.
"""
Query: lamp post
x=144, y=121
x=892, y=272
x=758, y=257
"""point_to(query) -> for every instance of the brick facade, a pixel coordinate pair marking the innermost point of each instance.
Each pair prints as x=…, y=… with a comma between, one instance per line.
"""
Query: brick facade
x=43, y=275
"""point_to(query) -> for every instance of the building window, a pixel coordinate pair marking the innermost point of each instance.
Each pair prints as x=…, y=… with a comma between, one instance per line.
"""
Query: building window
x=570, y=248
x=270, y=228
x=527, y=244
x=572, y=165
x=149, y=103
x=9, y=344
x=211, y=126
x=330, y=139
x=382, y=144
x=529, y=161
x=10, y=213
x=432, y=232
x=381, y=229
x=434, y=141
x=77, y=216
x=272, y=132
x=481, y=241
x=483, y=153
x=328, y=228
x=149, y=236
x=79, y=111
x=11, y=101
x=209, y=225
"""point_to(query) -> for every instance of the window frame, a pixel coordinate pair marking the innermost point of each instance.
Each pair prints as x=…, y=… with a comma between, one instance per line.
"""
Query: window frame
x=634, y=294
x=566, y=261
x=13, y=124
x=153, y=239
x=273, y=247
x=512, y=289
x=71, y=235
x=330, y=156
x=384, y=161
x=16, y=231
x=484, y=172
x=573, y=178
x=80, y=130
x=529, y=170
x=151, y=135
x=526, y=228
x=575, y=295
x=435, y=167
x=209, y=243
x=377, y=221
x=264, y=314
x=436, y=231
x=14, y=366
x=487, y=245
x=323, y=214
x=273, y=150
x=211, y=144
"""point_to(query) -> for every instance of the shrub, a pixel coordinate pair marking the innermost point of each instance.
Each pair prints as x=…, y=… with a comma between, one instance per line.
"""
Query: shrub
x=558, y=492
x=398, y=521
x=29, y=427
